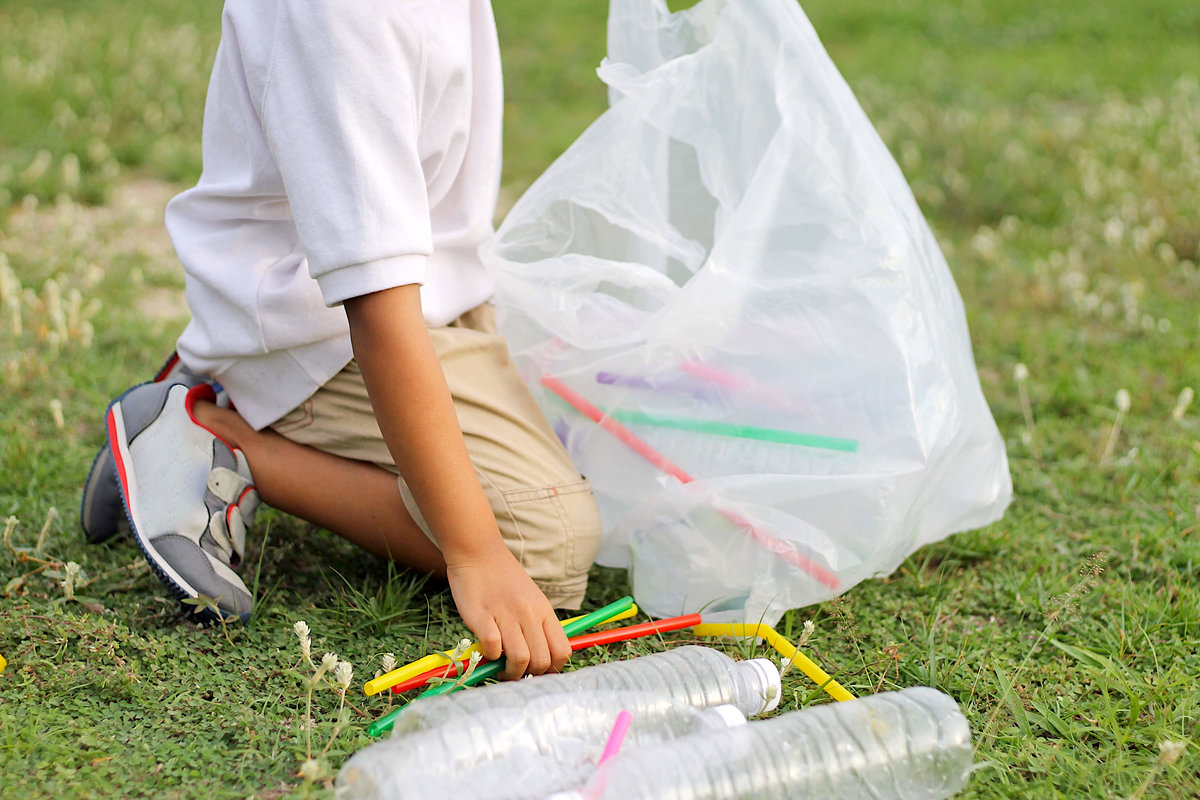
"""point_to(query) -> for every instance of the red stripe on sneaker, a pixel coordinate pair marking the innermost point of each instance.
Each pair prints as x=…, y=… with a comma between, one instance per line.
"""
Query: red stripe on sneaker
x=167, y=367
x=236, y=504
x=204, y=391
x=111, y=424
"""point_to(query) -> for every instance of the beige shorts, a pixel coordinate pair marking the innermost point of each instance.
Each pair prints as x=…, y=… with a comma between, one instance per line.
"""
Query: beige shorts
x=545, y=510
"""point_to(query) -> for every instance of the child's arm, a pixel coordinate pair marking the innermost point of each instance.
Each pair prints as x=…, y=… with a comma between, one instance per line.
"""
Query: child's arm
x=404, y=380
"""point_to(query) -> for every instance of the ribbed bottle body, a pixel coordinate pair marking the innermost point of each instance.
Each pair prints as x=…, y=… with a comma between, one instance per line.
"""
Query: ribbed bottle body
x=908, y=745
x=518, y=751
x=696, y=676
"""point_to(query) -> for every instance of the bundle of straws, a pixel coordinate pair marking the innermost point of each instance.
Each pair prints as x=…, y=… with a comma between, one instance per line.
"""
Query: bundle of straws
x=449, y=664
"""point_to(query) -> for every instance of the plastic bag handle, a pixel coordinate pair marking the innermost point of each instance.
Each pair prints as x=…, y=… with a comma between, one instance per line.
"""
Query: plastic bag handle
x=633, y=27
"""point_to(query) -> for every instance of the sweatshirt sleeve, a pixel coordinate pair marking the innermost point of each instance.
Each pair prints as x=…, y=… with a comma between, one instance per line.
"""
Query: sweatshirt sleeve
x=340, y=109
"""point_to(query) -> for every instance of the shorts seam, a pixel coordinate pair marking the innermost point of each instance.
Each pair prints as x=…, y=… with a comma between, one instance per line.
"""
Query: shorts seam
x=519, y=496
x=486, y=479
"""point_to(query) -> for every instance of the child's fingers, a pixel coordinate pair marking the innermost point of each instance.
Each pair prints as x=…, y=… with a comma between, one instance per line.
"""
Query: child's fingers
x=539, y=647
x=560, y=648
x=491, y=644
x=516, y=650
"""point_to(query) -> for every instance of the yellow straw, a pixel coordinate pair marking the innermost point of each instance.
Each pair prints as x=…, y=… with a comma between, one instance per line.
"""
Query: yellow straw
x=3, y=663
x=401, y=674
x=783, y=647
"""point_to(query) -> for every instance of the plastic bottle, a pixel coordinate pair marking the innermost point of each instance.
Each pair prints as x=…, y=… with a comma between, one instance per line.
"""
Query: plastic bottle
x=700, y=677
x=908, y=745
x=512, y=752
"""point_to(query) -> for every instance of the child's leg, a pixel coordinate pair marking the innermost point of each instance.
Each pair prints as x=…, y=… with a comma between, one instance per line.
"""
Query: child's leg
x=354, y=499
x=544, y=509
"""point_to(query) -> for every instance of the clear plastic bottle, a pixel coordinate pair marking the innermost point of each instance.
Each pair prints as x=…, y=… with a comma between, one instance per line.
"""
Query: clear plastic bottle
x=908, y=745
x=700, y=677
x=516, y=752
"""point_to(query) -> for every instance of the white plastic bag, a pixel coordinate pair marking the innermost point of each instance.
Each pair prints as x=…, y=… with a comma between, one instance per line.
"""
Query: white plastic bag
x=729, y=266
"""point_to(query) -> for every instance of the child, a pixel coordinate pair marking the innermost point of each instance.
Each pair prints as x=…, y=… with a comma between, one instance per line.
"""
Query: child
x=351, y=166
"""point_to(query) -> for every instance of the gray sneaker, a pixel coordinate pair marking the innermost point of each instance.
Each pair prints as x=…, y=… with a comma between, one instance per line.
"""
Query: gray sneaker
x=188, y=495
x=101, y=514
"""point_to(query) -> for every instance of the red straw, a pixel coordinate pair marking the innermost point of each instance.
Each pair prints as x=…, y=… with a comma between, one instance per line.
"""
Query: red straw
x=577, y=643
x=627, y=437
x=630, y=439
x=634, y=631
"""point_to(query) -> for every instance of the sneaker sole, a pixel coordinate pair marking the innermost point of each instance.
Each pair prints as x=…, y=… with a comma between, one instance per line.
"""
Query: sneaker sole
x=174, y=582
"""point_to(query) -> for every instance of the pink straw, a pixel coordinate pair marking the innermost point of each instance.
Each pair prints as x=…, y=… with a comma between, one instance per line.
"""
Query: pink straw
x=719, y=377
x=771, y=543
x=617, y=737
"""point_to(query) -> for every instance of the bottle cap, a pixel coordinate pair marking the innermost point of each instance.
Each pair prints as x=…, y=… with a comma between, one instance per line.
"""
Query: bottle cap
x=768, y=682
x=730, y=715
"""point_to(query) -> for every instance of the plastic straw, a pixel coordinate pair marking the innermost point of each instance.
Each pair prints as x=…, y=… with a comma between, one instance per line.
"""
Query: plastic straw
x=771, y=543
x=636, y=382
x=617, y=737
x=570, y=628
x=627, y=437
x=783, y=647
x=435, y=661
x=635, y=631
x=737, y=431
x=745, y=386
x=578, y=643
x=493, y=668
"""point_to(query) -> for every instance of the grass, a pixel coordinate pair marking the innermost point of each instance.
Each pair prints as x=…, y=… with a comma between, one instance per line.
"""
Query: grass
x=1053, y=147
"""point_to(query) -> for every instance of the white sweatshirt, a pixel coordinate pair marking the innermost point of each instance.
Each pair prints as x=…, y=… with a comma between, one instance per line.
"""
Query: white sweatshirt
x=349, y=146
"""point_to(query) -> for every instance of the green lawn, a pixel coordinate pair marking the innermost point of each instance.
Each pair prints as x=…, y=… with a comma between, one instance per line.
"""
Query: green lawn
x=1053, y=146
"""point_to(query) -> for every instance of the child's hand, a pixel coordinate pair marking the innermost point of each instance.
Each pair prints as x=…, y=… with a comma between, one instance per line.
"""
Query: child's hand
x=508, y=614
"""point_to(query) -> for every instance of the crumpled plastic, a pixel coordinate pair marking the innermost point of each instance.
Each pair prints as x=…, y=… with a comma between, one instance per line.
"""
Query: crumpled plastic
x=728, y=304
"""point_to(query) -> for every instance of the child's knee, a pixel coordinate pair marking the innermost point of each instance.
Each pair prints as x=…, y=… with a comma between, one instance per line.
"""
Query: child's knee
x=554, y=532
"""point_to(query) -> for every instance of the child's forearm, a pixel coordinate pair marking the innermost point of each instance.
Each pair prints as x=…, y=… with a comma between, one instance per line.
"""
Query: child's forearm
x=416, y=416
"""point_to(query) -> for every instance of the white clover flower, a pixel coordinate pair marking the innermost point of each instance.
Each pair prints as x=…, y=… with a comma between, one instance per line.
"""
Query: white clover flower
x=14, y=314
x=460, y=649
x=1020, y=373
x=310, y=770
x=70, y=172
x=1169, y=752
x=472, y=663
x=329, y=661
x=72, y=572
x=342, y=675
x=56, y=411
x=388, y=663
x=1123, y=401
x=37, y=168
x=1182, y=404
x=302, y=633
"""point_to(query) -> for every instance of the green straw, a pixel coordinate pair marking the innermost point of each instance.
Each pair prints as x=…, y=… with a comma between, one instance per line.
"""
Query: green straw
x=738, y=431
x=493, y=668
